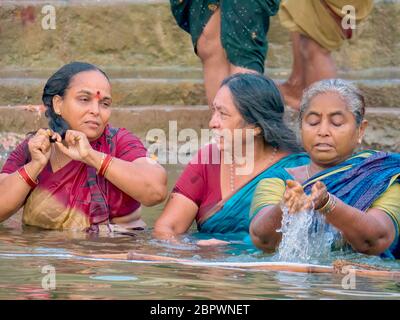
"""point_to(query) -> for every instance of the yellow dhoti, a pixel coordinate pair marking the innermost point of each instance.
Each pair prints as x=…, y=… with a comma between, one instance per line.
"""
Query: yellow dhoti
x=320, y=19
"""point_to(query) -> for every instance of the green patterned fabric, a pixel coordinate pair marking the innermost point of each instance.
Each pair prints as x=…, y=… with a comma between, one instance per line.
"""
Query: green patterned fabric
x=244, y=26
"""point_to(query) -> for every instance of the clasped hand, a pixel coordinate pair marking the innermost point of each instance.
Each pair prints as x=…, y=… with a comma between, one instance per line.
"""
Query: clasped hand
x=75, y=145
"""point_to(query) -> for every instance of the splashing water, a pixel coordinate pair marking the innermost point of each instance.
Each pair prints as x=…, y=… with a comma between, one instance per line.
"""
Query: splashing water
x=305, y=237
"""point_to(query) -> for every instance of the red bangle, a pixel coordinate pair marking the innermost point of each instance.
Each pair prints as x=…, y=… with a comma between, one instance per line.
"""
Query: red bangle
x=25, y=176
x=108, y=166
x=104, y=165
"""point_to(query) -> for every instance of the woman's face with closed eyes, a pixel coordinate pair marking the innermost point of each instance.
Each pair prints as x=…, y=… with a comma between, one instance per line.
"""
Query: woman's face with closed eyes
x=329, y=130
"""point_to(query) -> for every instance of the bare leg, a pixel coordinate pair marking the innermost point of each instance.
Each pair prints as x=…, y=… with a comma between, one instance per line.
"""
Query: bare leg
x=216, y=66
x=292, y=89
x=320, y=64
x=311, y=63
x=235, y=69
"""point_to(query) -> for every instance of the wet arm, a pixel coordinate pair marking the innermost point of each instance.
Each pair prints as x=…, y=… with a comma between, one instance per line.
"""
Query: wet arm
x=369, y=232
x=14, y=190
x=263, y=228
x=268, y=214
x=177, y=217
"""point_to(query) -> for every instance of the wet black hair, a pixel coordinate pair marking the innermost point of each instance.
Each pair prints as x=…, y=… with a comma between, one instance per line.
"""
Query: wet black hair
x=260, y=103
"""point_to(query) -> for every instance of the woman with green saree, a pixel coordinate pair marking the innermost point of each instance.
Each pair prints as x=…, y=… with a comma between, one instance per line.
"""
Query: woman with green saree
x=215, y=189
x=358, y=194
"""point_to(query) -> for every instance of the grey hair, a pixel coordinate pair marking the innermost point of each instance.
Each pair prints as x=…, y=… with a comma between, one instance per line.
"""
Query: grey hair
x=352, y=96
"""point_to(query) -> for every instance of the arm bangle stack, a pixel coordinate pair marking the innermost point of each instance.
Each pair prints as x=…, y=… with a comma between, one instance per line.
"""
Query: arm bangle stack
x=24, y=175
x=329, y=206
x=108, y=166
x=103, y=156
x=105, y=163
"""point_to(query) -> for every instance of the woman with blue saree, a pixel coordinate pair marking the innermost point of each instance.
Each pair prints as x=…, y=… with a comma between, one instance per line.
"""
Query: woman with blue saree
x=215, y=189
x=358, y=194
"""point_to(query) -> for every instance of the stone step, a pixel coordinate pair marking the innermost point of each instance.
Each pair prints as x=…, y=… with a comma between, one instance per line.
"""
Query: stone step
x=184, y=87
x=144, y=33
x=174, y=72
x=383, y=131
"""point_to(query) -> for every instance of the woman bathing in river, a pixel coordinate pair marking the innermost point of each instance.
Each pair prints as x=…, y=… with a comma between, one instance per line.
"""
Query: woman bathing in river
x=211, y=192
x=357, y=193
x=96, y=175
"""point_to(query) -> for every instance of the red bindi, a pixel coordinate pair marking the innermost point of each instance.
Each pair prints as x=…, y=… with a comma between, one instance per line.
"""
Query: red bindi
x=98, y=96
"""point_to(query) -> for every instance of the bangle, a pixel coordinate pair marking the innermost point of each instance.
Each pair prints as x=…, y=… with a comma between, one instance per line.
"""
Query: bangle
x=108, y=166
x=103, y=156
x=326, y=200
x=329, y=206
x=104, y=165
x=24, y=175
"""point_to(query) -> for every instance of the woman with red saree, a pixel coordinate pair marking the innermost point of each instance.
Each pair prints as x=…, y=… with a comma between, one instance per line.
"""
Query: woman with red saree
x=213, y=190
x=81, y=172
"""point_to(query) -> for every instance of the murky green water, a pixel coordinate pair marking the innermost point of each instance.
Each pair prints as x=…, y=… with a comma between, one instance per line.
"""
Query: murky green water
x=24, y=251
x=23, y=254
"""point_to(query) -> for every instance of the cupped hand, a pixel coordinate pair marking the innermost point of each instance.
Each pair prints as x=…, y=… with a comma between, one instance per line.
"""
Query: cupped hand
x=295, y=199
x=319, y=194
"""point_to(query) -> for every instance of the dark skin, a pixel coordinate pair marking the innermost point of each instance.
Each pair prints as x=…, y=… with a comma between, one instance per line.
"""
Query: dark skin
x=330, y=135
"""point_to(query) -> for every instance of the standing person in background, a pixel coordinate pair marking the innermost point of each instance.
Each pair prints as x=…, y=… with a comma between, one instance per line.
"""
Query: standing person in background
x=316, y=30
x=228, y=36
